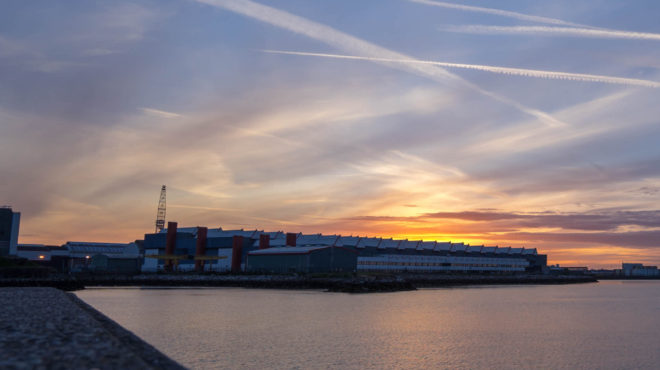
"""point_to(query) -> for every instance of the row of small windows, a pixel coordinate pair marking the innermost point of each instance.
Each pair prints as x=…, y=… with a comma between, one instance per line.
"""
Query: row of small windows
x=443, y=264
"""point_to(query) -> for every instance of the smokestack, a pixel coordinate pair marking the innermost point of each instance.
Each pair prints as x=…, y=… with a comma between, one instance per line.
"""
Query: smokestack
x=201, y=247
x=291, y=239
x=264, y=241
x=236, y=253
x=170, y=243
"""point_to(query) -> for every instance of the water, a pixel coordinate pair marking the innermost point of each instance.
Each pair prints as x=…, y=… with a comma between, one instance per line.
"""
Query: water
x=608, y=325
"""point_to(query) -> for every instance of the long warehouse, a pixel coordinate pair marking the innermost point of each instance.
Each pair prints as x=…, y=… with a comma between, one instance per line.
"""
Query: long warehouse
x=199, y=248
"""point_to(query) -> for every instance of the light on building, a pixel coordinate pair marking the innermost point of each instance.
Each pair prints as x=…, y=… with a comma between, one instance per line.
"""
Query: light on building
x=87, y=257
x=41, y=256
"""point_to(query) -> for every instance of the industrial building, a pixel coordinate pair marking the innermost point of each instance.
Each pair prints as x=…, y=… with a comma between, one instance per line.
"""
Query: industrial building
x=197, y=248
x=42, y=253
x=639, y=270
x=9, y=226
x=302, y=259
x=85, y=256
x=203, y=249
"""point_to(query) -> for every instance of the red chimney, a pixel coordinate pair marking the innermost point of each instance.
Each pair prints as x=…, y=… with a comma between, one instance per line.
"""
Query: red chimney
x=201, y=247
x=170, y=243
x=264, y=241
x=236, y=253
x=291, y=239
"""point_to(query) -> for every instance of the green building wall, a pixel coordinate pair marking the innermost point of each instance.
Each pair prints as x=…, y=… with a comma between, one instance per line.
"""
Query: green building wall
x=321, y=260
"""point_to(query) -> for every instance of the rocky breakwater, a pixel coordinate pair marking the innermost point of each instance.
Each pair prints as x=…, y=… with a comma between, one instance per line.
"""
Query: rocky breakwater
x=352, y=284
x=46, y=328
x=440, y=280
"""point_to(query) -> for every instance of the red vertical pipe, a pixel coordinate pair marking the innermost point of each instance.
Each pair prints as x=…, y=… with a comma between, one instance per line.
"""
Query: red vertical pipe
x=291, y=239
x=200, y=249
x=170, y=243
x=236, y=253
x=264, y=241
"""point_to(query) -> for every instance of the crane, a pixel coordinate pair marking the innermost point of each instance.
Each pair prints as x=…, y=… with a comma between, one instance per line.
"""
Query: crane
x=160, y=215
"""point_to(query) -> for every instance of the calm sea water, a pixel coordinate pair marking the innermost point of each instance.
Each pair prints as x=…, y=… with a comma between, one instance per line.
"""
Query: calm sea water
x=607, y=325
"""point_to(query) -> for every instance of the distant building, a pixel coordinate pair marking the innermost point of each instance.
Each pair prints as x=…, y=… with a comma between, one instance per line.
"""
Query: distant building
x=605, y=272
x=218, y=249
x=9, y=226
x=114, y=264
x=213, y=248
x=82, y=256
x=581, y=269
x=568, y=270
x=85, y=256
x=41, y=252
x=639, y=270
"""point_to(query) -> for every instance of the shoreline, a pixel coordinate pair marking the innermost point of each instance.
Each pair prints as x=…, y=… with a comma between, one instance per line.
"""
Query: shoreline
x=353, y=284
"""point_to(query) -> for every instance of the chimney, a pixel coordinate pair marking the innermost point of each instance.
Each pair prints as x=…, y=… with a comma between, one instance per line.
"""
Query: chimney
x=236, y=253
x=291, y=239
x=201, y=247
x=170, y=244
x=264, y=241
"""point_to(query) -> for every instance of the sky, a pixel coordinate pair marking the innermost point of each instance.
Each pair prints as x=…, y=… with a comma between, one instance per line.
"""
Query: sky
x=510, y=123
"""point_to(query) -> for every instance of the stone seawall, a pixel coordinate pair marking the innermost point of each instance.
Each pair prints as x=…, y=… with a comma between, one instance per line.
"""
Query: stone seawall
x=46, y=328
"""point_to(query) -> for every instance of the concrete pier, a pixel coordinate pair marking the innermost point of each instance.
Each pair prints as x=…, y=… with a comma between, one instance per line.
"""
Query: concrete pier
x=46, y=328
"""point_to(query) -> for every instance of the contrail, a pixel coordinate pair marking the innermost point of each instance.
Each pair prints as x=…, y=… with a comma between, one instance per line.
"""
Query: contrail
x=494, y=69
x=504, y=13
x=552, y=31
x=354, y=45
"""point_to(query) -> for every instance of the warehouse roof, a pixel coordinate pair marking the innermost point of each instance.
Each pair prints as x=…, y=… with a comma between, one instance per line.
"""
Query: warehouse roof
x=220, y=233
x=426, y=245
x=445, y=247
x=458, y=247
x=278, y=239
x=40, y=247
x=349, y=241
x=369, y=242
x=389, y=243
x=474, y=248
x=92, y=247
x=408, y=244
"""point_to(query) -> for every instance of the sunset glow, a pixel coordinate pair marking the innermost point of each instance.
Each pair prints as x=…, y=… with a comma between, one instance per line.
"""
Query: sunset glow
x=535, y=125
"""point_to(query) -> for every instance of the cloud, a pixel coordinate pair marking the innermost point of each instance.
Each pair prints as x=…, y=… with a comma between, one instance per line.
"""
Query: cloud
x=594, y=221
x=591, y=118
x=635, y=239
x=160, y=113
x=552, y=31
x=504, y=13
x=10, y=47
x=493, y=69
x=354, y=45
x=93, y=31
x=499, y=221
x=50, y=66
x=120, y=23
x=97, y=52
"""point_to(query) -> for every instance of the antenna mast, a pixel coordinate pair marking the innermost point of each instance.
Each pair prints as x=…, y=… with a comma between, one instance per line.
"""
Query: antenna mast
x=160, y=216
